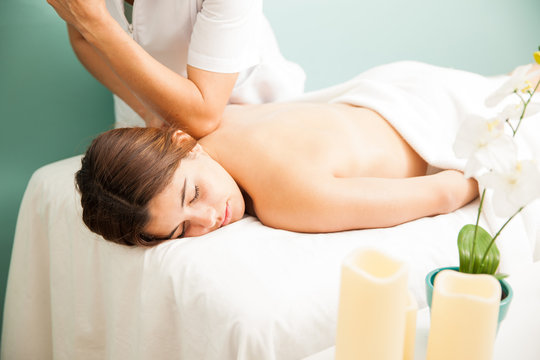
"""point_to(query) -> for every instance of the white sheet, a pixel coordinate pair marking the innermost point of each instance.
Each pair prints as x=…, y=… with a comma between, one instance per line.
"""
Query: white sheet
x=243, y=292
x=426, y=105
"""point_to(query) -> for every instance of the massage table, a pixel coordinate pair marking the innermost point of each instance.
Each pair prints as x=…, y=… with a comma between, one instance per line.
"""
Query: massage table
x=245, y=291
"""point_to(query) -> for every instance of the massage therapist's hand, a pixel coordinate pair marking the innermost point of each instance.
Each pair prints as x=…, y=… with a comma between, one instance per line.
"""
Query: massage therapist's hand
x=79, y=13
x=195, y=103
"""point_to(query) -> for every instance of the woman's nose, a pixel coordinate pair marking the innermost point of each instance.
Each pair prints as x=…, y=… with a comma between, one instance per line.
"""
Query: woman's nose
x=204, y=216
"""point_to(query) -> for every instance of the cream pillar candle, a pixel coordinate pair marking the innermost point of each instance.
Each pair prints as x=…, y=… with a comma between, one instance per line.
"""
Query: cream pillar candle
x=464, y=315
x=372, y=303
x=410, y=327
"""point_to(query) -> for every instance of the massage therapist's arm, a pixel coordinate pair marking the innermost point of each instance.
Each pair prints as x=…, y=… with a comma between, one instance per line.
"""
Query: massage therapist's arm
x=337, y=204
x=194, y=104
x=96, y=65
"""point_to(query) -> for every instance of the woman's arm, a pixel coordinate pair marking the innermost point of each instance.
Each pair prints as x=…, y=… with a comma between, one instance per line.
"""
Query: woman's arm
x=337, y=204
x=194, y=104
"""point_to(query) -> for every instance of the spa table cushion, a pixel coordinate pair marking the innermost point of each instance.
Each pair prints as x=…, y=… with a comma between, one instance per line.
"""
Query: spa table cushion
x=243, y=292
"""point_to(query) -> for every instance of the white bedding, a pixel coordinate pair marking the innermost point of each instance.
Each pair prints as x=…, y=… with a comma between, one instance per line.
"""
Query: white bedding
x=243, y=292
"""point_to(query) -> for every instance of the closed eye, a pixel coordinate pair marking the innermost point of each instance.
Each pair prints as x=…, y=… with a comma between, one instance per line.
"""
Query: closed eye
x=184, y=225
x=183, y=231
x=196, y=196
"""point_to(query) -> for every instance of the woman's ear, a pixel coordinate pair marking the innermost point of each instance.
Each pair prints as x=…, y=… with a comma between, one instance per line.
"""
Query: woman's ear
x=180, y=136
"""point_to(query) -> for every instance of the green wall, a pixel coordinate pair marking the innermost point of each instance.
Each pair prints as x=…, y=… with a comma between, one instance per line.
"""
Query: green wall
x=336, y=39
x=50, y=107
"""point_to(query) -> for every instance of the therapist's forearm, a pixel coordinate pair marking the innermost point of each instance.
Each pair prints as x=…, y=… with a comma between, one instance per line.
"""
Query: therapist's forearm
x=96, y=65
x=176, y=99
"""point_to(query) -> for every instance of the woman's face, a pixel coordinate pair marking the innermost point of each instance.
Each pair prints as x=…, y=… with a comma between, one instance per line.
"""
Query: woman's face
x=201, y=198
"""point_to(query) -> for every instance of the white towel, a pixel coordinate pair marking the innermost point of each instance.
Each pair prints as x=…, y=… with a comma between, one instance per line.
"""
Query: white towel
x=426, y=105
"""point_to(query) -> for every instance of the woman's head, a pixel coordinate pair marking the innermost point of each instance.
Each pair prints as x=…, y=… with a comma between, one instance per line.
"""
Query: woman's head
x=129, y=183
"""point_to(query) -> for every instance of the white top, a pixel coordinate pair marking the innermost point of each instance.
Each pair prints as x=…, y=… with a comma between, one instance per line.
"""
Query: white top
x=215, y=35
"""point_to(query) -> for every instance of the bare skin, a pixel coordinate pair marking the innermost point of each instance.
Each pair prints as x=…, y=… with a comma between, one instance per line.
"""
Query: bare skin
x=329, y=167
x=159, y=95
x=307, y=167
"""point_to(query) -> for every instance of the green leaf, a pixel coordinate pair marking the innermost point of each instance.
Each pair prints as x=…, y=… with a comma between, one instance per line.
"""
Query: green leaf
x=500, y=276
x=471, y=263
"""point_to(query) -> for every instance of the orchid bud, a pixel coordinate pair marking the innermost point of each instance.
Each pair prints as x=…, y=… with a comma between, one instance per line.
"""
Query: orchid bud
x=537, y=57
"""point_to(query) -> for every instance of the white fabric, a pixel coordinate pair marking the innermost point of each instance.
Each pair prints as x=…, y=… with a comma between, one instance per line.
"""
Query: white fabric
x=243, y=292
x=215, y=35
x=426, y=105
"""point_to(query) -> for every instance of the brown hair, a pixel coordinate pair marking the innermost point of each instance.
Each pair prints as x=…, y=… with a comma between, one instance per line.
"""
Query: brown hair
x=122, y=170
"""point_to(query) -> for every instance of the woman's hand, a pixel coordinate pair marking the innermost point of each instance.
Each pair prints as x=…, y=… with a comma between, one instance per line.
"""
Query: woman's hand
x=79, y=13
x=457, y=190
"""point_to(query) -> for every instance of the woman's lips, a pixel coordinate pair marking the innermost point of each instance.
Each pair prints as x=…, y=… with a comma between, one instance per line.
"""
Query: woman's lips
x=227, y=216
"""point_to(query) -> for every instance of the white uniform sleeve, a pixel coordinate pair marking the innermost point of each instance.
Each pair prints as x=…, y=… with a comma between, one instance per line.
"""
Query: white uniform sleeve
x=226, y=35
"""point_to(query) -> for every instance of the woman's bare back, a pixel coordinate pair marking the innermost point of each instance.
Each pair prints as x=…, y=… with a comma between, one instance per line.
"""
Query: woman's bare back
x=314, y=139
x=328, y=167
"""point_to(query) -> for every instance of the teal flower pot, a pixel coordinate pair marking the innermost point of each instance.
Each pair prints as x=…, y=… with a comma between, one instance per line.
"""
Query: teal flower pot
x=507, y=292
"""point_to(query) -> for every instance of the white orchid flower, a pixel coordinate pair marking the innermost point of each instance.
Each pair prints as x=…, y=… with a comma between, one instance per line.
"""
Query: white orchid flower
x=532, y=109
x=483, y=142
x=514, y=188
x=514, y=111
x=518, y=81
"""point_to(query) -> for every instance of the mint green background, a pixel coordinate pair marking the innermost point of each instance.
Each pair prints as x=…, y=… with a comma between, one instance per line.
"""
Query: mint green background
x=50, y=107
x=336, y=39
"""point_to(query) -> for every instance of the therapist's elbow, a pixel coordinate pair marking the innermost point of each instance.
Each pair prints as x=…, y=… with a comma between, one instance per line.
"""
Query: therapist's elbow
x=206, y=126
x=197, y=126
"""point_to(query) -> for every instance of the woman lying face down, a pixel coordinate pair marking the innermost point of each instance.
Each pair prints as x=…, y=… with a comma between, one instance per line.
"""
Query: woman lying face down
x=296, y=166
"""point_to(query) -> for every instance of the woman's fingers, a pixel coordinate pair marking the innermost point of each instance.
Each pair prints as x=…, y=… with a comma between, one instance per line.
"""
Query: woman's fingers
x=459, y=189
